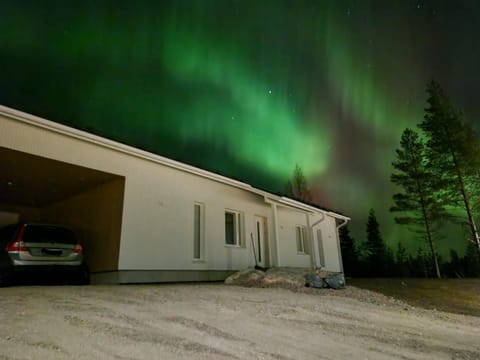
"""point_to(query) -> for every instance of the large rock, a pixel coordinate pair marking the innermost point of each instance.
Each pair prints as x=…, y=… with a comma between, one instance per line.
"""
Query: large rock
x=246, y=277
x=288, y=278
x=335, y=281
x=284, y=278
x=314, y=280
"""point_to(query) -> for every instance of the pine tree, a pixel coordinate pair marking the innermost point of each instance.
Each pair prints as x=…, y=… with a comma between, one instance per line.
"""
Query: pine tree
x=390, y=265
x=418, y=201
x=376, y=252
x=297, y=187
x=454, y=149
x=349, y=252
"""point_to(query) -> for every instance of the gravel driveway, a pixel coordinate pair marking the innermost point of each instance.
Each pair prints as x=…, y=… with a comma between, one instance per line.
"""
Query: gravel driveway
x=224, y=322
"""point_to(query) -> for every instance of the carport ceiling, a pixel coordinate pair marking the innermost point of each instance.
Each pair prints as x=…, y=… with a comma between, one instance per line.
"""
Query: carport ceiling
x=35, y=181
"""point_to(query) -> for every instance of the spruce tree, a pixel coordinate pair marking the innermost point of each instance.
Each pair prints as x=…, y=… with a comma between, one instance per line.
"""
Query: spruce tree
x=418, y=201
x=422, y=264
x=376, y=251
x=401, y=260
x=349, y=252
x=471, y=261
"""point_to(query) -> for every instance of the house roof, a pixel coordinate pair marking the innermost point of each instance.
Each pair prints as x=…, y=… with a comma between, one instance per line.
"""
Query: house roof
x=142, y=154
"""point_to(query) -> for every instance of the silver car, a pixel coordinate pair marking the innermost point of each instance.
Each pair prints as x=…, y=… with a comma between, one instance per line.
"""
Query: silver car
x=48, y=252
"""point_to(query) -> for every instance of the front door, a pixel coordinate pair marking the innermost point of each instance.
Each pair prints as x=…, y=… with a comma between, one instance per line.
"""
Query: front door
x=260, y=241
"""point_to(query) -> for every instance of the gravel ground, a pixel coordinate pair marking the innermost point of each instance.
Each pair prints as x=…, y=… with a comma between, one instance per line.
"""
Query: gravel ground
x=225, y=322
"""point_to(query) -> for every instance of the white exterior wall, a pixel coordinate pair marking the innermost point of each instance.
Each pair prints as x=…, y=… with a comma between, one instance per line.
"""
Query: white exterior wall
x=288, y=220
x=158, y=208
x=331, y=245
x=164, y=236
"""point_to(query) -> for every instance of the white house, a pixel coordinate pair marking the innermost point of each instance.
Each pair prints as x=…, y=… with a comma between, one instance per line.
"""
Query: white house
x=142, y=217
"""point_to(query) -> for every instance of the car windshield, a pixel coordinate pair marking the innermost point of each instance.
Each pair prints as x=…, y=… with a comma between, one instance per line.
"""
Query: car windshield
x=48, y=234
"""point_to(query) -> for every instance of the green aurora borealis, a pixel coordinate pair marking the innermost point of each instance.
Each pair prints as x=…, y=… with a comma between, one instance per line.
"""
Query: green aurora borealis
x=247, y=89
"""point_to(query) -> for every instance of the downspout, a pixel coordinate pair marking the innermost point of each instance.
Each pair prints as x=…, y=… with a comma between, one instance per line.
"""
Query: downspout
x=275, y=230
x=340, y=260
x=312, y=236
x=310, y=241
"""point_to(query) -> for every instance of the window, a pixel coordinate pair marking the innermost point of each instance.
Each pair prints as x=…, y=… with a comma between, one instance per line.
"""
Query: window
x=233, y=233
x=198, y=231
x=259, y=242
x=301, y=233
x=320, y=248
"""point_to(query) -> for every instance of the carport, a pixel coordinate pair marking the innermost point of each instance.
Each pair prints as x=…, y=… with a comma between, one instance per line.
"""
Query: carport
x=38, y=189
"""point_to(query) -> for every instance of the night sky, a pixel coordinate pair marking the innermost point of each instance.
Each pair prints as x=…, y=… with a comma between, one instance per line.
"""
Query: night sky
x=248, y=89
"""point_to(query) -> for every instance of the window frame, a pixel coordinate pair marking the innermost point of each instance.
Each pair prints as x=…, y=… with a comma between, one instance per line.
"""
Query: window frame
x=301, y=240
x=237, y=228
x=200, y=236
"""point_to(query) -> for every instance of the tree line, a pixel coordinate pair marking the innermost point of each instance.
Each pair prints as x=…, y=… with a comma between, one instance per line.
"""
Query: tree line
x=374, y=258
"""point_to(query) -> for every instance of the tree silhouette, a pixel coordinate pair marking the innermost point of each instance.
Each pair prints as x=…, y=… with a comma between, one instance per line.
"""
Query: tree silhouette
x=454, y=149
x=376, y=250
x=401, y=260
x=418, y=202
x=349, y=252
x=297, y=187
x=471, y=261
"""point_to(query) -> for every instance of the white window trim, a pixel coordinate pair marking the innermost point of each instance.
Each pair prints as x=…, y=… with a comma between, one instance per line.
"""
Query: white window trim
x=200, y=259
x=302, y=230
x=238, y=229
